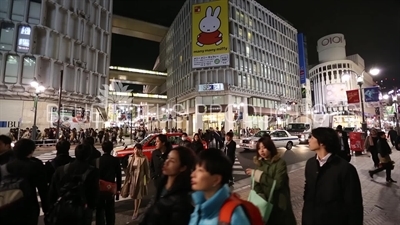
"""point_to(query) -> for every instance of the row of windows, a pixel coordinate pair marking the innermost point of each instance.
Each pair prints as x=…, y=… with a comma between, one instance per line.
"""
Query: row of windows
x=23, y=41
x=330, y=67
x=264, y=43
x=263, y=29
x=259, y=102
x=15, y=10
x=265, y=71
x=13, y=66
x=267, y=86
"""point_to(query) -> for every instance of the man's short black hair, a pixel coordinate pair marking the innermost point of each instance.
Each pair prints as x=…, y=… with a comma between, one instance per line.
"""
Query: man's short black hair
x=107, y=146
x=5, y=139
x=63, y=147
x=83, y=152
x=229, y=134
x=216, y=162
x=328, y=137
x=23, y=148
x=184, y=134
x=89, y=141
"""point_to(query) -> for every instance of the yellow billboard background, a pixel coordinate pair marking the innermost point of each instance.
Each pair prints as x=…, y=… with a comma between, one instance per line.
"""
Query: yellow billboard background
x=210, y=34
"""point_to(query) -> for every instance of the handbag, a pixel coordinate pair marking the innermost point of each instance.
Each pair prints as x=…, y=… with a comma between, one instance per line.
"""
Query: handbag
x=264, y=206
x=106, y=186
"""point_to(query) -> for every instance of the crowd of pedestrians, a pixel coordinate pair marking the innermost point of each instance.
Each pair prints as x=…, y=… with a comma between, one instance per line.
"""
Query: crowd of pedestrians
x=192, y=183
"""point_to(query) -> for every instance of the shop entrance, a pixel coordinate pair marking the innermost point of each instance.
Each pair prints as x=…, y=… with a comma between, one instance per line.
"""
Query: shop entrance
x=213, y=120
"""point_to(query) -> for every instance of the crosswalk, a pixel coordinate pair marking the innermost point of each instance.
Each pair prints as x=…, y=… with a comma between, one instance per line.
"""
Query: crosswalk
x=238, y=170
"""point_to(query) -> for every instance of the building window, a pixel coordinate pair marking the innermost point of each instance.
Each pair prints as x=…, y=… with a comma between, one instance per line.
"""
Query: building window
x=6, y=36
x=11, y=72
x=24, y=39
x=28, y=71
x=34, y=11
x=18, y=10
x=4, y=9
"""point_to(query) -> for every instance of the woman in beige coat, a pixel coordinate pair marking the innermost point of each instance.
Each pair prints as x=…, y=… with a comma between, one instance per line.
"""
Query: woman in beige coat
x=137, y=178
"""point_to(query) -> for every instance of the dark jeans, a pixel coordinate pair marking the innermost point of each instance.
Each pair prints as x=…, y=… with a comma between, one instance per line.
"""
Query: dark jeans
x=374, y=156
x=105, y=210
x=385, y=166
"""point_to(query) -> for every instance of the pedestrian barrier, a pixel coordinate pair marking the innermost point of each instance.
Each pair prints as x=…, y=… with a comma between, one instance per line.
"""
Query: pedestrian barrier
x=46, y=142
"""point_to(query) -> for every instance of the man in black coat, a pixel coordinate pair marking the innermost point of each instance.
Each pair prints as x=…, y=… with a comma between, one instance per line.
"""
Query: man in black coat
x=78, y=167
x=230, y=151
x=344, y=144
x=32, y=170
x=6, y=153
x=332, y=192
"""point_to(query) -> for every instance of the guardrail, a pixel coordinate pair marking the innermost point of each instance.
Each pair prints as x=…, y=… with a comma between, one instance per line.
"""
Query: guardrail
x=45, y=142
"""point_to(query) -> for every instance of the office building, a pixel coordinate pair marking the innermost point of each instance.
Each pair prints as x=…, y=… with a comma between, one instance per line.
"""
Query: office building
x=38, y=39
x=230, y=64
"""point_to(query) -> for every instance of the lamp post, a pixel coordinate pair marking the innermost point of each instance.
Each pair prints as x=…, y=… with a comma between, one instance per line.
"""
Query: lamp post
x=360, y=82
x=131, y=124
x=38, y=90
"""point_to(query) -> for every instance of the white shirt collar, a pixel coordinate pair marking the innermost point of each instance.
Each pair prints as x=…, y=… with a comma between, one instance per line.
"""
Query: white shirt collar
x=323, y=160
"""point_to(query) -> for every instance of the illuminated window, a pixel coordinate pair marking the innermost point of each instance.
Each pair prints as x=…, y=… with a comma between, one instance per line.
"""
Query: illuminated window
x=28, y=71
x=24, y=39
x=11, y=72
x=6, y=36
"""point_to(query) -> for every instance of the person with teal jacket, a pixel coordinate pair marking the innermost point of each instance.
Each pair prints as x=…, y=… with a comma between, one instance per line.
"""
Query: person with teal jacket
x=210, y=182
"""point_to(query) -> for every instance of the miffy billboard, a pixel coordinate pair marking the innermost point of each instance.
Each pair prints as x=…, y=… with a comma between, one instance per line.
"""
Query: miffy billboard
x=210, y=34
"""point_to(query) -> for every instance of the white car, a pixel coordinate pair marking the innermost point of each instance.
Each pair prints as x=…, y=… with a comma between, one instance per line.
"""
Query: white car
x=281, y=138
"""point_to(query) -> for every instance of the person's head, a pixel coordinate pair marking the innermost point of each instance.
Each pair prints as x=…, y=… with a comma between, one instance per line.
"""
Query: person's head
x=184, y=136
x=180, y=164
x=138, y=150
x=162, y=142
x=83, y=152
x=213, y=170
x=5, y=143
x=196, y=137
x=63, y=147
x=339, y=128
x=266, y=149
x=107, y=147
x=373, y=132
x=324, y=138
x=24, y=148
x=229, y=136
x=381, y=134
x=89, y=141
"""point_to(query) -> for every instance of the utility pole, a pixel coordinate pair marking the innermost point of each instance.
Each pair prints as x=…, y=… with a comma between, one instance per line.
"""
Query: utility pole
x=59, y=104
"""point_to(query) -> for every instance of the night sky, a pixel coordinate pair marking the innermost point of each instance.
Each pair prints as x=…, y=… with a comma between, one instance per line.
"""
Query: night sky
x=371, y=29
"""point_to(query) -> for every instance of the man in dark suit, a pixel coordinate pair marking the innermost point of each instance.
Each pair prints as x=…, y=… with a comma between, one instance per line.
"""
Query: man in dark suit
x=344, y=151
x=230, y=151
x=110, y=171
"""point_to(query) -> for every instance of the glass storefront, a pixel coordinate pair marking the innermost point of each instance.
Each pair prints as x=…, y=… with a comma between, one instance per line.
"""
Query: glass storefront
x=213, y=120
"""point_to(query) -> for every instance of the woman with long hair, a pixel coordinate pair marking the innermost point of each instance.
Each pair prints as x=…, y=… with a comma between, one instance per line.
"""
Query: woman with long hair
x=137, y=178
x=271, y=167
x=197, y=144
x=172, y=203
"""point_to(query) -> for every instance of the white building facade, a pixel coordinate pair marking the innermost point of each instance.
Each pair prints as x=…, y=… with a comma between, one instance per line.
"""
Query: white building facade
x=38, y=39
x=327, y=82
x=261, y=75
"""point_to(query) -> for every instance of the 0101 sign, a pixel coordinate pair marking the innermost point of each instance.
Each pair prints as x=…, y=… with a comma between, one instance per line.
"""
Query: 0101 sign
x=332, y=40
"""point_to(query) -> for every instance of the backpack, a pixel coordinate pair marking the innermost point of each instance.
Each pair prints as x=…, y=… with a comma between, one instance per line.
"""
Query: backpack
x=14, y=191
x=71, y=206
x=227, y=209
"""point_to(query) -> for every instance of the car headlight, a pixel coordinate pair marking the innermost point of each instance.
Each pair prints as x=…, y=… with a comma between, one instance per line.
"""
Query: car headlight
x=302, y=136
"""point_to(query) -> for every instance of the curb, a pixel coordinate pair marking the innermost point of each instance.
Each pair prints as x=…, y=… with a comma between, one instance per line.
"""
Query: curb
x=243, y=184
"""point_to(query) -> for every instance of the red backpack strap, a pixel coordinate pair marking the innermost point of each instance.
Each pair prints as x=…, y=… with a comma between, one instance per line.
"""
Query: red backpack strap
x=227, y=209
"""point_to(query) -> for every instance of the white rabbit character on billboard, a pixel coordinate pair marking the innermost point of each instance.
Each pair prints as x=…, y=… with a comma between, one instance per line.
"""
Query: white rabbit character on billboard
x=209, y=27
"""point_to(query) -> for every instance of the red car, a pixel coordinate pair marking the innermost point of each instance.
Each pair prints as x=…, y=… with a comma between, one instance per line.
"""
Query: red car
x=149, y=145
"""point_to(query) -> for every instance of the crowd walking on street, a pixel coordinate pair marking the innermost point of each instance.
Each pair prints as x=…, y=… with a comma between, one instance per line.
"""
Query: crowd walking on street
x=192, y=183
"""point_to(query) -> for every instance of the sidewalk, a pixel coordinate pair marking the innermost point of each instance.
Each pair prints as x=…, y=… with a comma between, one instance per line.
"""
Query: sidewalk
x=381, y=200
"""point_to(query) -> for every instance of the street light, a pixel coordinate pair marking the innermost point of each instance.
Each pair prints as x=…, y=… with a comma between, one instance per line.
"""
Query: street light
x=38, y=89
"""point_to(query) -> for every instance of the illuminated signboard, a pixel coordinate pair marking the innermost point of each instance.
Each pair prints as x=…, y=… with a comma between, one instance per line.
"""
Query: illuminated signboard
x=24, y=39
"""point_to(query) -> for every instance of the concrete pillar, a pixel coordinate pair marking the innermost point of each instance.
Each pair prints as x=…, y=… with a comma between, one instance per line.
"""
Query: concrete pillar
x=266, y=122
x=198, y=117
x=229, y=116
